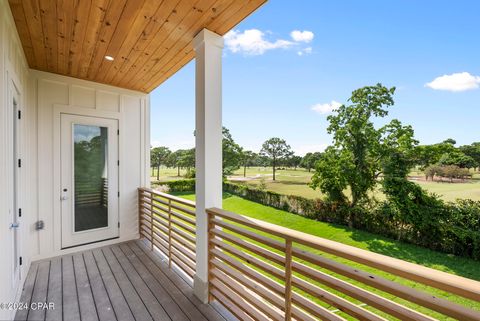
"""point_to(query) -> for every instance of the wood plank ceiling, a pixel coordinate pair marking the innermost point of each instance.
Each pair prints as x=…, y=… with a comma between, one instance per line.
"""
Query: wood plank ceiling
x=149, y=40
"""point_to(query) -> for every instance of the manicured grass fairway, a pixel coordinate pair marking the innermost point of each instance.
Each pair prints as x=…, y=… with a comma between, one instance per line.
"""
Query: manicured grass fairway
x=295, y=182
x=167, y=174
x=444, y=262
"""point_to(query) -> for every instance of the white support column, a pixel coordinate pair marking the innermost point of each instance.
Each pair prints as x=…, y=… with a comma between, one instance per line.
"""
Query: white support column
x=208, y=145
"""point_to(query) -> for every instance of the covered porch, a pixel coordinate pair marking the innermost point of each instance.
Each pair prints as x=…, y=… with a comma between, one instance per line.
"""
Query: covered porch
x=95, y=62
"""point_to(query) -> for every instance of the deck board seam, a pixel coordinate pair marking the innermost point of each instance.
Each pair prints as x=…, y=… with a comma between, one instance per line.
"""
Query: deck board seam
x=144, y=249
x=76, y=287
x=130, y=244
x=61, y=288
x=128, y=277
x=48, y=288
x=90, y=285
x=133, y=287
x=104, y=286
x=149, y=286
x=31, y=294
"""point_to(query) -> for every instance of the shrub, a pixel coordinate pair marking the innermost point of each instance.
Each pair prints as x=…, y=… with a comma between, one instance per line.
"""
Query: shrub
x=181, y=185
x=447, y=171
x=190, y=173
x=462, y=230
x=311, y=208
x=431, y=171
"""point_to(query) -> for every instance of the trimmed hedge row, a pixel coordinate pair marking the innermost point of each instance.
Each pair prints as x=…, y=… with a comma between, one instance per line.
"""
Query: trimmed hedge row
x=311, y=208
x=453, y=227
x=181, y=185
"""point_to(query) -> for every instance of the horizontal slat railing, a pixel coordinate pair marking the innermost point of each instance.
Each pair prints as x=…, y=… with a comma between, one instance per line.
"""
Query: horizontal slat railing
x=262, y=271
x=168, y=223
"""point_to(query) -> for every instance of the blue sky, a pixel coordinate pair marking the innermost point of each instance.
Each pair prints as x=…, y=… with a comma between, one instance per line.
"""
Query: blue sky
x=272, y=82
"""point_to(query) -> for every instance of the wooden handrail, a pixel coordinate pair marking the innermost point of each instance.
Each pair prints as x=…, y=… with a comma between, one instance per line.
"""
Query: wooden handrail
x=226, y=248
x=168, y=196
x=445, y=281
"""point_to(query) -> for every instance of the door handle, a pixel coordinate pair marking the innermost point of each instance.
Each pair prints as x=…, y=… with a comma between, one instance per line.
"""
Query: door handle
x=64, y=196
x=14, y=225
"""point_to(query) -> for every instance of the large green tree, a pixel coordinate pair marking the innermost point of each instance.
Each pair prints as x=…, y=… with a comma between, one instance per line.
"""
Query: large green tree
x=397, y=146
x=175, y=160
x=294, y=161
x=410, y=206
x=457, y=158
x=426, y=155
x=247, y=159
x=275, y=149
x=187, y=159
x=310, y=159
x=231, y=153
x=356, y=144
x=472, y=150
x=158, y=157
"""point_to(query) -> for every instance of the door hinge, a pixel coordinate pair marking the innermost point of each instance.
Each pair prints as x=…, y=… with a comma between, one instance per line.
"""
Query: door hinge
x=118, y=131
x=19, y=162
x=20, y=260
x=118, y=224
x=118, y=193
x=118, y=162
x=19, y=212
x=19, y=114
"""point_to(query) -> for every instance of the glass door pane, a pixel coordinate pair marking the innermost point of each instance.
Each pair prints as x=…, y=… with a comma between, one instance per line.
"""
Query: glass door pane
x=90, y=176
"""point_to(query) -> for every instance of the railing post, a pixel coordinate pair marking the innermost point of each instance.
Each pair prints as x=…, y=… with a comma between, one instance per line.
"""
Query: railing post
x=288, y=279
x=140, y=203
x=170, y=233
x=210, y=226
x=151, y=220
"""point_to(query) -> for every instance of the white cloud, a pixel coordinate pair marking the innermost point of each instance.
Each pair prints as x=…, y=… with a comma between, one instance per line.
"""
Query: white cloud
x=302, y=36
x=305, y=51
x=456, y=82
x=301, y=150
x=255, y=42
x=252, y=42
x=326, y=108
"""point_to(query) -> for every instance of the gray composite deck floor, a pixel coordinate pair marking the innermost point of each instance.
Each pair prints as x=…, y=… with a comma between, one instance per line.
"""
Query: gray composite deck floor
x=122, y=282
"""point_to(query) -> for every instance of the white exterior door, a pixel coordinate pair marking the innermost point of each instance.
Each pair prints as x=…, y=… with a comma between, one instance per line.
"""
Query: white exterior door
x=89, y=179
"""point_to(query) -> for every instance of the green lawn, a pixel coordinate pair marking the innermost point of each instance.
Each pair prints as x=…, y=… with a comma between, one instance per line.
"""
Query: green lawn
x=167, y=174
x=368, y=241
x=452, y=191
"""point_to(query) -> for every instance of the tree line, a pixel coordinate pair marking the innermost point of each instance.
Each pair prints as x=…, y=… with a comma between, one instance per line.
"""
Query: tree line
x=441, y=159
x=274, y=152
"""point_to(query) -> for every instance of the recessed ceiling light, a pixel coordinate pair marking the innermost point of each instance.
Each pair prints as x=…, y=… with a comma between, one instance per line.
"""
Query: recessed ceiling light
x=109, y=58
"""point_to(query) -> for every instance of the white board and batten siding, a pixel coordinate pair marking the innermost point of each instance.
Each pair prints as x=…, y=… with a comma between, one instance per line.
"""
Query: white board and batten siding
x=42, y=97
x=58, y=94
x=14, y=75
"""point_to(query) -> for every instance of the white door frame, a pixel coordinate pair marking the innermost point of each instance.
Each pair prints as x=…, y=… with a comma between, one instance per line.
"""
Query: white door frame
x=59, y=109
x=16, y=228
x=70, y=237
